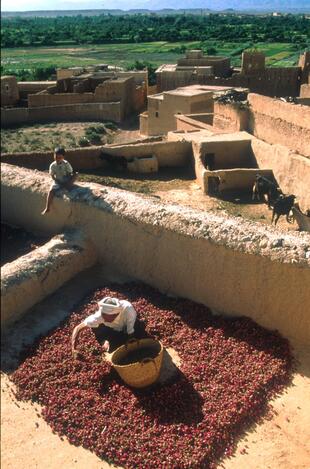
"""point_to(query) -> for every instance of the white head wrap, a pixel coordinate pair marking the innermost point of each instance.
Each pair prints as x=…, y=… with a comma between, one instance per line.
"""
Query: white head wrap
x=110, y=305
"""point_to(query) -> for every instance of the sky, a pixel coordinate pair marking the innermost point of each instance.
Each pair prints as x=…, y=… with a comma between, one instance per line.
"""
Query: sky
x=29, y=5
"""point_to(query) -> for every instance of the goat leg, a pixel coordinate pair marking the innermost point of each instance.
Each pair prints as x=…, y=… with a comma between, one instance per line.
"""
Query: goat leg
x=276, y=219
x=289, y=218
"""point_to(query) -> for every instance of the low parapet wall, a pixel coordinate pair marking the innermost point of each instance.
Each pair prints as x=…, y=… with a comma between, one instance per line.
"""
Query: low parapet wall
x=234, y=266
x=30, y=278
x=281, y=123
x=14, y=116
x=80, y=158
x=31, y=87
x=167, y=154
x=235, y=179
x=59, y=99
x=77, y=112
x=194, y=122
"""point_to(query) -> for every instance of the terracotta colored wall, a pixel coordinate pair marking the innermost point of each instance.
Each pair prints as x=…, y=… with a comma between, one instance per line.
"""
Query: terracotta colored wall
x=235, y=179
x=59, y=99
x=139, y=99
x=170, y=80
x=221, y=65
x=9, y=91
x=292, y=171
x=14, y=116
x=230, y=117
x=109, y=91
x=79, y=112
x=275, y=121
x=33, y=87
x=269, y=82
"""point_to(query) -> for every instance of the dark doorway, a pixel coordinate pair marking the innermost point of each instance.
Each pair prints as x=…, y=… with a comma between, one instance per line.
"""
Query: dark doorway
x=209, y=161
x=213, y=185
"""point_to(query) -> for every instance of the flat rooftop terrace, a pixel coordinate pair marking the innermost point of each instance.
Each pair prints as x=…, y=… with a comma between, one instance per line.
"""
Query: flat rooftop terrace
x=188, y=92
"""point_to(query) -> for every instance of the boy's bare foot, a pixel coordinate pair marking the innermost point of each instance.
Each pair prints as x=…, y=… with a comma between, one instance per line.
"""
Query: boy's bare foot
x=46, y=210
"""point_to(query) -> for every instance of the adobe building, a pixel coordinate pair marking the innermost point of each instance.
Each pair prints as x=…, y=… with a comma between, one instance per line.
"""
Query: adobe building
x=220, y=66
x=254, y=75
x=261, y=135
x=194, y=101
x=102, y=72
x=95, y=95
x=252, y=62
x=194, y=68
x=9, y=91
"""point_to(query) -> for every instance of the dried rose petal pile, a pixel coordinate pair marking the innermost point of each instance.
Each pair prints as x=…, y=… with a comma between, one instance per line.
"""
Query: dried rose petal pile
x=230, y=368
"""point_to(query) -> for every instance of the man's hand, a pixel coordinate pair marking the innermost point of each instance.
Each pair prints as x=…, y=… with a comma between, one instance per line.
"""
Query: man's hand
x=106, y=346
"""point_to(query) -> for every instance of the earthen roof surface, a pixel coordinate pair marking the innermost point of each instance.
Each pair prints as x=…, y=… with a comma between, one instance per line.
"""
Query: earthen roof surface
x=188, y=92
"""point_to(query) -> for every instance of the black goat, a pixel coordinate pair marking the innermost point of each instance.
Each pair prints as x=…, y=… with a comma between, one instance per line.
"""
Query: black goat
x=115, y=162
x=282, y=206
x=263, y=186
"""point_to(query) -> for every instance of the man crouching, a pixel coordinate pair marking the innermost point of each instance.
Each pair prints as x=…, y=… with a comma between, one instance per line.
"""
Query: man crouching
x=114, y=321
x=62, y=174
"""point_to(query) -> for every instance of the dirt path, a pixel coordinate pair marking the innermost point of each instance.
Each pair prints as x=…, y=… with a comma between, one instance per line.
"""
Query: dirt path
x=126, y=136
x=190, y=194
x=27, y=441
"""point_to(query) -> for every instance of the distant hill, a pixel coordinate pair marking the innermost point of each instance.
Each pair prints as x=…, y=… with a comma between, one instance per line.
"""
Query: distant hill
x=165, y=7
x=239, y=5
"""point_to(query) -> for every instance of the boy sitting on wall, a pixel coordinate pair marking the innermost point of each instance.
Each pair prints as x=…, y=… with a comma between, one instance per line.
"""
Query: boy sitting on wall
x=62, y=174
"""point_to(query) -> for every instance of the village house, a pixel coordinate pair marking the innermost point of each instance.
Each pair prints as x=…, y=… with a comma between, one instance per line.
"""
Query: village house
x=196, y=68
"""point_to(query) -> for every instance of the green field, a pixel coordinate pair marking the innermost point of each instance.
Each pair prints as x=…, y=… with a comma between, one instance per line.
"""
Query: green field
x=156, y=53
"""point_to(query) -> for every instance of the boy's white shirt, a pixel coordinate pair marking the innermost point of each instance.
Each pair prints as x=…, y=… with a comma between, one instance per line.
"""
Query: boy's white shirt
x=60, y=170
x=125, y=320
